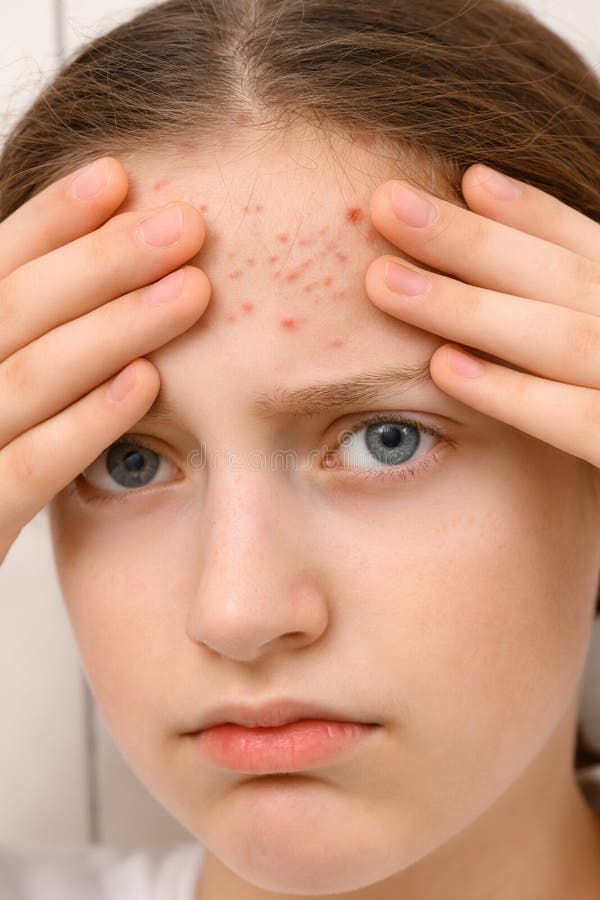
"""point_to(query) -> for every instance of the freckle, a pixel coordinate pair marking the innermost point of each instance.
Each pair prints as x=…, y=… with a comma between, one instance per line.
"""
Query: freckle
x=283, y=238
x=337, y=343
x=236, y=275
x=273, y=259
x=248, y=307
x=251, y=261
x=328, y=281
x=290, y=323
x=354, y=215
x=342, y=257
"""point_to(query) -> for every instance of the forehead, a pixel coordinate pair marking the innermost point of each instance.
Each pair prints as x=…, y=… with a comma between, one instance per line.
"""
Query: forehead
x=288, y=242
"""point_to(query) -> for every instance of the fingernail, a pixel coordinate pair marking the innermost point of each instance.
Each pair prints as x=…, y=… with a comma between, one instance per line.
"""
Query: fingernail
x=91, y=180
x=162, y=229
x=499, y=185
x=403, y=280
x=463, y=364
x=412, y=208
x=122, y=384
x=166, y=289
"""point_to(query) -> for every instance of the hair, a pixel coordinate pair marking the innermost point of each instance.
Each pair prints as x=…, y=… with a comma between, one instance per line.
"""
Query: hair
x=447, y=83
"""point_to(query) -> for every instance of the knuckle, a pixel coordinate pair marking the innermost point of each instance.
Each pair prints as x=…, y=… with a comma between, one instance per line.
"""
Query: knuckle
x=583, y=338
x=17, y=376
x=587, y=274
x=21, y=460
x=590, y=413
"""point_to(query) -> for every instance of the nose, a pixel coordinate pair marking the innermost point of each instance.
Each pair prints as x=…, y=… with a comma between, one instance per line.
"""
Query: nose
x=257, y=582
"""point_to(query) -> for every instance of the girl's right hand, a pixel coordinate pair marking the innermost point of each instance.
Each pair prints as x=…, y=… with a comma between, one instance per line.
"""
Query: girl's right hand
x=74, y=314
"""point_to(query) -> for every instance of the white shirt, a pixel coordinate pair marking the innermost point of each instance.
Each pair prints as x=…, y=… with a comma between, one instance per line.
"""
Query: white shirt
x=97, y=872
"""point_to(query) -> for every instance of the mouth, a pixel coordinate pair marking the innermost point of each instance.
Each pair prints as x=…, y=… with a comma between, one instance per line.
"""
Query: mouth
x=283, y=749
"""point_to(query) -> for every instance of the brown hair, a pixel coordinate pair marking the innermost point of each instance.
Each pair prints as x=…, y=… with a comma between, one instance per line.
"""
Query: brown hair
x=446, y=82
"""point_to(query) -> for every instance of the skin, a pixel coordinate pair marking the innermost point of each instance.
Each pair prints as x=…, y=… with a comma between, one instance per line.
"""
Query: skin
x=454, y=609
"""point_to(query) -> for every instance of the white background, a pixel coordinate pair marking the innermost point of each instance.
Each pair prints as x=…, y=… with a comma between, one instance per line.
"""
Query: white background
x=62, y=781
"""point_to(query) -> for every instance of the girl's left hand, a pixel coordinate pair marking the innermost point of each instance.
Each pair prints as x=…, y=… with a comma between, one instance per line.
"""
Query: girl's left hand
x=529, y=293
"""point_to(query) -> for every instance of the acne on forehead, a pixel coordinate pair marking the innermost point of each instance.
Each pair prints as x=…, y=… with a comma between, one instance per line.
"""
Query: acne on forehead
x=315, y=244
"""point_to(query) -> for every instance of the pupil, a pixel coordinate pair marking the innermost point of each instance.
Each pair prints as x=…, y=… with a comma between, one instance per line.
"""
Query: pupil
x=391, y=436
x=134, y=461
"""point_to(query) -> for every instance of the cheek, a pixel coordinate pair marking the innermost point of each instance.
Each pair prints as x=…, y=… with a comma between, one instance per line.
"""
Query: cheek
x=116, y=578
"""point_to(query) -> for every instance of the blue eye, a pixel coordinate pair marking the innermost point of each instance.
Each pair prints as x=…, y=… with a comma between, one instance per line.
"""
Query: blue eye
x=128, y=465
x=381, y=446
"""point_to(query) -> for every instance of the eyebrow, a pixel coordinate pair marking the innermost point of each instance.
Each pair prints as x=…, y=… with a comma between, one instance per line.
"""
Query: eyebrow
x=318, y=398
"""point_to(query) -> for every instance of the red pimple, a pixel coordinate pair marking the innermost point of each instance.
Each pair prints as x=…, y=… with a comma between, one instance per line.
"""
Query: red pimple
x=161, y=184
x=339, y=295
x=306, y=242
x=236, y=275
x=293, y=275
x=337, y=343
x=289, y=323
x=189, y=145
x=364, y=141
x=323, y=230
x=283, y=238
x=244, y=118
x=273, y=259
x=373, y=235
x=354, y=215
x=251, y=261
x=308, y=288
x=230, y=318
x=259, y=207
x=248, y=307
x=204, y=208
x=342, y=257
x=328, y=281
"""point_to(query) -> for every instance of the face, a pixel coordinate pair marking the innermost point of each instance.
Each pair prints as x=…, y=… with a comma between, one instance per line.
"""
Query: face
x=441, y=587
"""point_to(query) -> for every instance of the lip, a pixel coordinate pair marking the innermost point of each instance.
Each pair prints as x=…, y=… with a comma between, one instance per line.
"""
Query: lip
x=287, y=748
x=273, y=714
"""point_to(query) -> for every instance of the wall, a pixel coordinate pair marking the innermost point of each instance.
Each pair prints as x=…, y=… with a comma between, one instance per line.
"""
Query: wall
x=62, y=780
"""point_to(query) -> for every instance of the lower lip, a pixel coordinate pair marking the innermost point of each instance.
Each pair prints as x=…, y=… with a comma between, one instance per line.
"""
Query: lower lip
x=284, y=749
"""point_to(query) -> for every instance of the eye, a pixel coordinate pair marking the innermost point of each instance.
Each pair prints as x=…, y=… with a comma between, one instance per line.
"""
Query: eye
x=382, y=445
x=125, y=466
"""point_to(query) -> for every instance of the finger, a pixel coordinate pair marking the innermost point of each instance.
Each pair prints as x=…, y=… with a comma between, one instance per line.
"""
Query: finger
x=93, y=346
x=56, y=216
x=526, y=402
x=489, y=254
x=548, y=340
x=41, y=462
x=101, y=266
x=532, y=211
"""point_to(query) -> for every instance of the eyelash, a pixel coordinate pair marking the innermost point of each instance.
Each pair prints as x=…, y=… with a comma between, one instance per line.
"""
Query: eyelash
x=391, y=474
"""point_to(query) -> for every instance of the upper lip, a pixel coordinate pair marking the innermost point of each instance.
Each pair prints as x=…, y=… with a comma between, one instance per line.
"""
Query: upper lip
x=272, y=714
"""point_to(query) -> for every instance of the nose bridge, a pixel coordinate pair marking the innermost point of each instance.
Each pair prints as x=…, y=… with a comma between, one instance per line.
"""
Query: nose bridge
x=256, y=584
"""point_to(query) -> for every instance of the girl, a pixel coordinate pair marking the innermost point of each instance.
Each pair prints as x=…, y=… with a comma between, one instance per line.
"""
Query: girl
x=332, y=578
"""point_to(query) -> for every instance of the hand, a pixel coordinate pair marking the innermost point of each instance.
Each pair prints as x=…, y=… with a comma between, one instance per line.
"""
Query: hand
x=528, y=294
x=74, y=314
